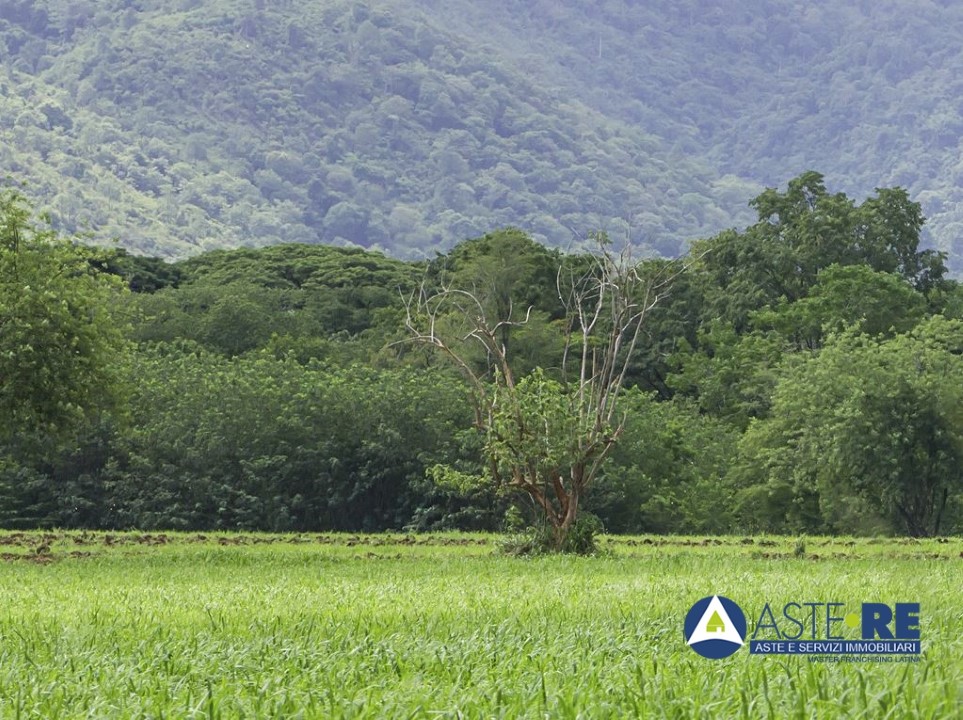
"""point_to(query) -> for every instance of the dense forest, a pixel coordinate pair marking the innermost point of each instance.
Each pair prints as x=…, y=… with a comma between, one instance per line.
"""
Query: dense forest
x=180, y=126
x=802, y=375
x=158, y=371
x=185, y=126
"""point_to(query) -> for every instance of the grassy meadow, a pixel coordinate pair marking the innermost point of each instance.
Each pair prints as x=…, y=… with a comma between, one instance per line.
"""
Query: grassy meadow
x=137, y=625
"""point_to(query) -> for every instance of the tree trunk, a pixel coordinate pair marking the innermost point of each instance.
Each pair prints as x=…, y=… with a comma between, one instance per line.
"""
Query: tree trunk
x=566, y=520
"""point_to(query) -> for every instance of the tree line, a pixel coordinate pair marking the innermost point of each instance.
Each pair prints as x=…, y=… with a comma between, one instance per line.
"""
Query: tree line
x=801, y=375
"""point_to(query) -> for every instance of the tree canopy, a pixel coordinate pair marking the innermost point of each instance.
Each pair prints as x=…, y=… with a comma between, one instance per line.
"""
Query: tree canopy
x=801, y=375
x=62, y=338
x=877, y=417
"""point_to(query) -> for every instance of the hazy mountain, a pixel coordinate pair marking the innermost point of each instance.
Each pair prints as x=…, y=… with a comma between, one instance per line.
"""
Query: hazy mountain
x=182, y=125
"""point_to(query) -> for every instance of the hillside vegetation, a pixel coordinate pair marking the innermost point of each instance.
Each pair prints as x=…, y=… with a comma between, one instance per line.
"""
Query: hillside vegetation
x=178, y=126
x=184, y=126
x=764, y=89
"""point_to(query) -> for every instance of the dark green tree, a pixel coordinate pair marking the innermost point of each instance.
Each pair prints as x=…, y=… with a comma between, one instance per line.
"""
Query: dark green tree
x=804, y=230
x=510, y=275
x=878, y=418
x=875, y=302
x=666, y=474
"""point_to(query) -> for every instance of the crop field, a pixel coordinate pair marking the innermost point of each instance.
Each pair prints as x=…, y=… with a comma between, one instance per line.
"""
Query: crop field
x=172, y=625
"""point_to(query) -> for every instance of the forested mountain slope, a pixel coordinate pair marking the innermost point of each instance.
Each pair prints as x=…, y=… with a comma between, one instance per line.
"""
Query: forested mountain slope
x=407, y=125
x=866, y=92
x=181, y=126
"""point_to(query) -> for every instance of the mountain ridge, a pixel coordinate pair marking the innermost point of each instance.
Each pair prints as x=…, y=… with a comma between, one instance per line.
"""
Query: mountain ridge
x=178, y=126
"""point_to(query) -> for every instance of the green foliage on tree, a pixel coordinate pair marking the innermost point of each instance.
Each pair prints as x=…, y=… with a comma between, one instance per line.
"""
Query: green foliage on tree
x=62, y=337
x=510, y=276
x=731, y=377
x=668, y=472
x=876, y=303
x=876, y=416
x=314, y=301
x=545, y=439
x=801, y=232
x=252, y=443
x=800, y=376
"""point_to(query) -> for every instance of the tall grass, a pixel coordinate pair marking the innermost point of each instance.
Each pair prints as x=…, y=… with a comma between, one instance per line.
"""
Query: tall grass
x=379, y=627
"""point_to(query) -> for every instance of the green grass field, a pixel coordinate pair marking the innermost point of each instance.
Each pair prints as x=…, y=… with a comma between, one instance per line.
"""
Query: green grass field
x=258, y=626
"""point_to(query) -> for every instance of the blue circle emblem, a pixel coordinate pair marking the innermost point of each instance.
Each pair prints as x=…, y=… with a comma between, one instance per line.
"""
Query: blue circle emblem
x=715, y=627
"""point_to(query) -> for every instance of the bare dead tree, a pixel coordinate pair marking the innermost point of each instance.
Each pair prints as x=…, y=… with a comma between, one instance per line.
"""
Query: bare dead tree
x=544, y=438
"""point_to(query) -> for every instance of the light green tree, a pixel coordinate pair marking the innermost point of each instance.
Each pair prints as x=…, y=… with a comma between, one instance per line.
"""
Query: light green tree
x=62, y=346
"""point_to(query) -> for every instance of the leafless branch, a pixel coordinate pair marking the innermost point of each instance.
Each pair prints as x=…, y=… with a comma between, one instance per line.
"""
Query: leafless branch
x=606, y=303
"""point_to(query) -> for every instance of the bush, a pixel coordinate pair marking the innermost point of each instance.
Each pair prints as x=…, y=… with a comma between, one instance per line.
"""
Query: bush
x=540, y=540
